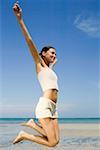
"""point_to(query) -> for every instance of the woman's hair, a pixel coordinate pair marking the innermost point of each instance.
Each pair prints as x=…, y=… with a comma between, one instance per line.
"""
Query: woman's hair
x=45, y=49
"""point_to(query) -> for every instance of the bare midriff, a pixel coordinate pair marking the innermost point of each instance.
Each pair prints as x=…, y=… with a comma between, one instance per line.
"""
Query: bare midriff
x=51, y=94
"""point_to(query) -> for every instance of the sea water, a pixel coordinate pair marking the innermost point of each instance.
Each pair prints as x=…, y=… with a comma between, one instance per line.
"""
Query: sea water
x=61, y=120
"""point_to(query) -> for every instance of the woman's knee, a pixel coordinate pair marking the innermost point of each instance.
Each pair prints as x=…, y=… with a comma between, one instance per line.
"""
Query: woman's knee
x=53, y=143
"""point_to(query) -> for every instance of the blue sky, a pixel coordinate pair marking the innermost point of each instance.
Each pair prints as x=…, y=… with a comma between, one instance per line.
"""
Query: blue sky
x=72, y=27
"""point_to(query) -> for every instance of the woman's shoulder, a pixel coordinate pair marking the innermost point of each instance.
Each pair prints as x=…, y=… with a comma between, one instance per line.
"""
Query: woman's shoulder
x=40, y=67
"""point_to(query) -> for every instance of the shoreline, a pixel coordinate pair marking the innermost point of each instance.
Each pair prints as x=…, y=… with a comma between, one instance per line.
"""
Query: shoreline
x=66, y=129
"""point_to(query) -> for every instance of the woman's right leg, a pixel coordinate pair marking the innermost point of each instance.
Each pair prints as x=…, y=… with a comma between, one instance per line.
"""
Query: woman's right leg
x=31, y=123
x=49, y=128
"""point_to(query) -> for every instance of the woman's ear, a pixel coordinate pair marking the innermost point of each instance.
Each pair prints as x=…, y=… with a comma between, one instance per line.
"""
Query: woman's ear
x=43, y=53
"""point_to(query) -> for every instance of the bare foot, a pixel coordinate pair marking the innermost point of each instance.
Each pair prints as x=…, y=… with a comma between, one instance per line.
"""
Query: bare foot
x=30, y=123
x=19, y=138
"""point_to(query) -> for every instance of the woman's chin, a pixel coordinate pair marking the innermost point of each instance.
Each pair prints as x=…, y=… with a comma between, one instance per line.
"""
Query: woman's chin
x=52, y=61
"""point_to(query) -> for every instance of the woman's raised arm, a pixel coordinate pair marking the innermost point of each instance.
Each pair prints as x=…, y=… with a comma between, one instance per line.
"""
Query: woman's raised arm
x=31, y=45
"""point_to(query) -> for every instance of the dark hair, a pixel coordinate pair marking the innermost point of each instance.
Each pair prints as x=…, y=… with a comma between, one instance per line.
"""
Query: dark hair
x=45, y=49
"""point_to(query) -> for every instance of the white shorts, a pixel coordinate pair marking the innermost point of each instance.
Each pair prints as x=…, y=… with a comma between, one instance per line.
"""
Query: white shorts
x=46, y=108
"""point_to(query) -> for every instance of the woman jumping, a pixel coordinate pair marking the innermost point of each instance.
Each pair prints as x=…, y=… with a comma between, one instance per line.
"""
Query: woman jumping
x=46, y=110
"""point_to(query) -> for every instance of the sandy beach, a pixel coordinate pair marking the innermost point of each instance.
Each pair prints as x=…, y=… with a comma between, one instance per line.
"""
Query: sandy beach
x=74, y=136
x=80, y=129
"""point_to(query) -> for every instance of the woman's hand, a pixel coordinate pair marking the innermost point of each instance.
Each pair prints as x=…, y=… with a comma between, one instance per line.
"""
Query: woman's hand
x=17, y=10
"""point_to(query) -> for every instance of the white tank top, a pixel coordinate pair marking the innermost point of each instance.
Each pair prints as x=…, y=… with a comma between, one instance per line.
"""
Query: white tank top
x=48, y=79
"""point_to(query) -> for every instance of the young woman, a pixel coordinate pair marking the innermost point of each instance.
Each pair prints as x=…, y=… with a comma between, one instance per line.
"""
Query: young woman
x=46, y=108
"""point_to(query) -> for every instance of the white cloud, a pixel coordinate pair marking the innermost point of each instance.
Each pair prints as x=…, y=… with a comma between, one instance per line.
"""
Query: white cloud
x=15, y=107
x=66, y=107
x=89, y=24
x=17, y=110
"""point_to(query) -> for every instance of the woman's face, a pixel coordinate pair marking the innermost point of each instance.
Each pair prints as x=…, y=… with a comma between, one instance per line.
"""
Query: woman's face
x=50, y=55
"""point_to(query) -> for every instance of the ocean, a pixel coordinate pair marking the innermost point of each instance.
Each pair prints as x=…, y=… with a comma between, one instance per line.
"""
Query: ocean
x=61, y=120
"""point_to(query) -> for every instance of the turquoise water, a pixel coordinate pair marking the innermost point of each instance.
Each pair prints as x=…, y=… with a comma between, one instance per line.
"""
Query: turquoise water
x=61, y=120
